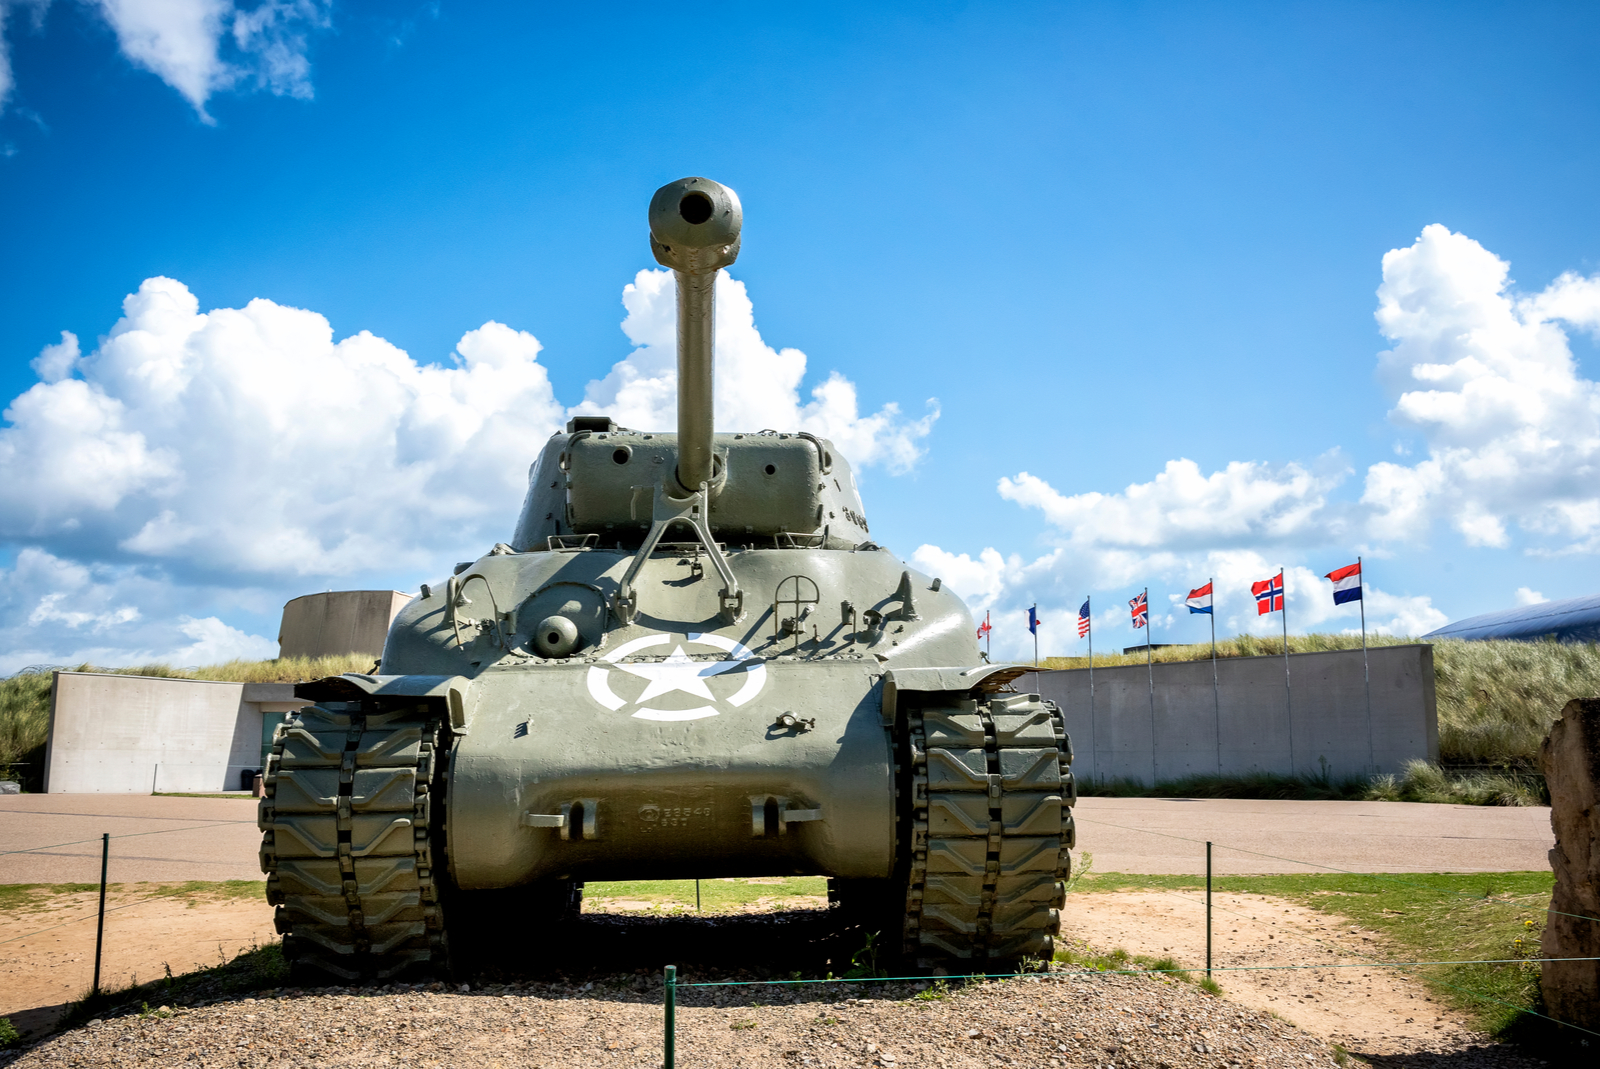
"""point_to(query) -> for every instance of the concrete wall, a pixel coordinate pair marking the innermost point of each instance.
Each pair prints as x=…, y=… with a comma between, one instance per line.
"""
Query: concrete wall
x=137, y=734
x=339, y=622
x=1244, y=724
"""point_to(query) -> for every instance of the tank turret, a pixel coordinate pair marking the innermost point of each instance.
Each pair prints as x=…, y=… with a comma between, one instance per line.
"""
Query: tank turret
x=690, y=660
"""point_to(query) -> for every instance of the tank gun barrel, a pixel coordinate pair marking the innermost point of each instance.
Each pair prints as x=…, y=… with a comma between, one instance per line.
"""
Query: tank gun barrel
x=694, y=229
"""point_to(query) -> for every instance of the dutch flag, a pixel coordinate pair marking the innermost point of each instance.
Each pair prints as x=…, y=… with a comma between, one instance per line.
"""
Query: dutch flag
x=1200, y=599
x=1346, y=583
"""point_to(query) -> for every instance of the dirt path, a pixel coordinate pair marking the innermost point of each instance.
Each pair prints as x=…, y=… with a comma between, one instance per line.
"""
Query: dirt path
x=47, y=946
x=1368, y=1011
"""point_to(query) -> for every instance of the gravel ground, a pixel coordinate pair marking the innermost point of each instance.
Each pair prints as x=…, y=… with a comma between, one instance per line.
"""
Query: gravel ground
x=1119, y=1021
x=570, y=1007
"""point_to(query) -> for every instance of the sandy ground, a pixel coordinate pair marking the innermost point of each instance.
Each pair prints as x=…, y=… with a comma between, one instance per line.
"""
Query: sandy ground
x=47, y=951
x=1369, y=1011
x=55, y=838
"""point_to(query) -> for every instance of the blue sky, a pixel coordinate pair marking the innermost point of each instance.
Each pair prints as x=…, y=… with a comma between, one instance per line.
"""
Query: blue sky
x=1102, y=238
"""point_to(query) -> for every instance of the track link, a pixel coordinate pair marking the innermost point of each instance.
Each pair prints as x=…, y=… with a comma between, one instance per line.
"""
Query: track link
x=346, y=844
x=991, y=826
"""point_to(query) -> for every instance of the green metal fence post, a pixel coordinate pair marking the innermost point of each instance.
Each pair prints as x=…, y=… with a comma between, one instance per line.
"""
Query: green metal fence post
x=1208, y=910
x=669, y=1047
x=100, y=928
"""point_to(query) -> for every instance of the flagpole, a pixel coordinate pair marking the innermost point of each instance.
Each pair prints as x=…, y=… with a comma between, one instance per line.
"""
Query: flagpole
x=1150, y=668
x=1216, y=695
x=1366, y=674
x=1288, y=701
x=1092, y=744
x=1034, y=621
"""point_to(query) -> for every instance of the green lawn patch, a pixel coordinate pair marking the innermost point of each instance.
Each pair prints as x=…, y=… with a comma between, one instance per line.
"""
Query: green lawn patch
x=719, y=895
x=16, y=897
x=1422, y=916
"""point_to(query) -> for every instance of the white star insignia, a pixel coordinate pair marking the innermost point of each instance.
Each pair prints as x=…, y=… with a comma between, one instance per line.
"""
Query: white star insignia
x=678, y=672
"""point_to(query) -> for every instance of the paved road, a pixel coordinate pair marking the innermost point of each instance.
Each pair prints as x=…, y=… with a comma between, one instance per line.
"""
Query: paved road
x=55, y=838
x=1167, y=835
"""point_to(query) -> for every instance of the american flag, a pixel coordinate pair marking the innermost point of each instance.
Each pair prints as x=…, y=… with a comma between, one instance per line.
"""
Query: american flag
x=1141, y=610
x=1083, y=619
x=1269, y=595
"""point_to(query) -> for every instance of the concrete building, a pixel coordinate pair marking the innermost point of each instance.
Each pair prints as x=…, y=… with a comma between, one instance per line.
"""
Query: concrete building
x=339, y=622
x=1184, y=725
x=113, y=733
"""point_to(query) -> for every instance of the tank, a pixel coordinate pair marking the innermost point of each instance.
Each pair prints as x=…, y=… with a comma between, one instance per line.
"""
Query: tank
x=690, y=660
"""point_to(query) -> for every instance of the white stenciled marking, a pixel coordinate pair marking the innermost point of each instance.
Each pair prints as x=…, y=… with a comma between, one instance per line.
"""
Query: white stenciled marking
x=678, y=672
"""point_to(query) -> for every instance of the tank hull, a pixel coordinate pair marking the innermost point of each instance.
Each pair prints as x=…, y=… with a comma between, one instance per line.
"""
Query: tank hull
x=663, y=799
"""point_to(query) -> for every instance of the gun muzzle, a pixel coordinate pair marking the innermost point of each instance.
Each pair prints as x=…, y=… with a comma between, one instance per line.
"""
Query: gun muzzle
x=694, y=229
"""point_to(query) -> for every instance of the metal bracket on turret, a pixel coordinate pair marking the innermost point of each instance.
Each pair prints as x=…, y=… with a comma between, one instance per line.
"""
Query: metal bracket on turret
x=691, y=511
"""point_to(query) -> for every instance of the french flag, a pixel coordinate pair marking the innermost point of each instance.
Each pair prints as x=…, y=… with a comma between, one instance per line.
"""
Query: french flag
x=1200, y=599
x=1346, y=583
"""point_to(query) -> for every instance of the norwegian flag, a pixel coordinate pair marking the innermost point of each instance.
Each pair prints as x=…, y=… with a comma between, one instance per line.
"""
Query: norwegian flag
x=1269, y=595
x=1141, y=610
x=1083, y=619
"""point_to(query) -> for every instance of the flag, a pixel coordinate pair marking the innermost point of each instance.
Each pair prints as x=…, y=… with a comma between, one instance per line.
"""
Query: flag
x=1083, y=619
x=1269, y=595
x=1033, y=620
x=983, y=628
x=1141, y=611
x=1346, y=584
x=1200, y=599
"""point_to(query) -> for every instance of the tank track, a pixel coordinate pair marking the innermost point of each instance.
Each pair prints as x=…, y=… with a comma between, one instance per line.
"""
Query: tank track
x=346, y=841
x=990, y=828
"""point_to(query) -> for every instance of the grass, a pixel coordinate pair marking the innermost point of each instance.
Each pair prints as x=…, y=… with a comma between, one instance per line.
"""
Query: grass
x=1422, y=917
x=25, y=698
x=716, y=896
x=31, y=897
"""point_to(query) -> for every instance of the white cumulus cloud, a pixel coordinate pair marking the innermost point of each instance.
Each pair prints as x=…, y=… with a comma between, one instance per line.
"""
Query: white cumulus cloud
x=202, y=47
x=1488, y=379
x=56, y=611
x=757, y=386
x=248, y=454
